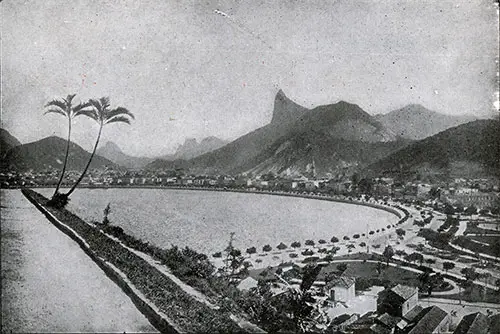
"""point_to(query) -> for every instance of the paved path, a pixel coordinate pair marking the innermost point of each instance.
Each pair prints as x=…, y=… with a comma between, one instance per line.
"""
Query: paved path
x=50, y=285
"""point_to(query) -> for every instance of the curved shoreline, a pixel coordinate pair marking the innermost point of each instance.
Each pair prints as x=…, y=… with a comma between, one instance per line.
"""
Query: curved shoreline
x=392, y=210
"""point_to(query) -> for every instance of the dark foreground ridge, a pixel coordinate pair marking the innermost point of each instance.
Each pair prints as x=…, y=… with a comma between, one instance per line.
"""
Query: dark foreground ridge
x=169, y=308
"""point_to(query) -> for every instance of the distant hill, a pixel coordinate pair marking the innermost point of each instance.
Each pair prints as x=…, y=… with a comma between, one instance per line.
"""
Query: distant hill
x=48, y=153
x=191, y=148
x=112, y=152
x=468, y=150
x=335, y=136
x=7, y=141
x=416, y=122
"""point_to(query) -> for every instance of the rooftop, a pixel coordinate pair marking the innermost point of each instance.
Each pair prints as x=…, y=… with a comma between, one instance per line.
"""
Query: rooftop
x=472, y=323
x=430, y=319
x=404, y=291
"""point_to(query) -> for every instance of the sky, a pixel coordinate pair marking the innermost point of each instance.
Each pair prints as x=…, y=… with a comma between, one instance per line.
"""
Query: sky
x=200, y=68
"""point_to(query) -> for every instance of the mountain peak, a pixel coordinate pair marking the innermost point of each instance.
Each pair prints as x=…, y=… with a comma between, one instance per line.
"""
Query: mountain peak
x=285, y=110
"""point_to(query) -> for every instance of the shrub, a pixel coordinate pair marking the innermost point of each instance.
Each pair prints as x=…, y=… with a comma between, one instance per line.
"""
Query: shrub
x=307, y=252
x=346, y=237
x=267, y=248
x=281, y=246
x=293, y=255
x=362, y=244
x=328, y=258
x=309, y=243
x=321, y=241
x=356, y=236
x=296, y=244
x=334, y=239
x=371, y=232
x=251, y=250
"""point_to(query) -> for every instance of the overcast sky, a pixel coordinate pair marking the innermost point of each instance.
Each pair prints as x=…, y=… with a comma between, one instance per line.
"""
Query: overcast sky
x=200, y=68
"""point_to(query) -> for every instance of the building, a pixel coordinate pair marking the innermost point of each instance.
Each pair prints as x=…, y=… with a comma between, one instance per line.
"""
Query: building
x=341, y=289
x=472, y=324
x=341, y=322
x=397, y=301
x=431, y=320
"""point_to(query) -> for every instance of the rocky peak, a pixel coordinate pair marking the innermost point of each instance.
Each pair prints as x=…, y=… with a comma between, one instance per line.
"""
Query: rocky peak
x=285, y=110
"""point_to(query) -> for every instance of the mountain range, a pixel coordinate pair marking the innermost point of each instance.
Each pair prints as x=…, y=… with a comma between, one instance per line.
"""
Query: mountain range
x=49, y=153
x=327, y=140
x=336, y=137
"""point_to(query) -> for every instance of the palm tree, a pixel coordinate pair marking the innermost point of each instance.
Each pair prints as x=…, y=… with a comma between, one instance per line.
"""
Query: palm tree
x=67, y=109
x=101, y=113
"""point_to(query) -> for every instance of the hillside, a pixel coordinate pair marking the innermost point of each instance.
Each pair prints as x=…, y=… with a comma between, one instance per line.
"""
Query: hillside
x=340, y=135
x=48, y=153
x=112, y=152
x=416, y=122
x=471, y=149
x=7, y=141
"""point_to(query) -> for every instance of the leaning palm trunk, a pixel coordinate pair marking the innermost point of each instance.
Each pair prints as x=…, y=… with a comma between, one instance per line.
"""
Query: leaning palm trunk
x=88, y=163
x=65, y=160
x=101, y=113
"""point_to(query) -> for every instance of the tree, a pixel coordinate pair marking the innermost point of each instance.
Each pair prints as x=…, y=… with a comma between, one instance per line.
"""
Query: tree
x=281, y=246
x=448, y=266
x=251, y=250
x=400, y=232
x=388, y=253
x=350, y=247
x=103, y=115
x=309, y=243
x=296, y=244
x=106, y=211
x=267, y=248
x=413, y=257
x=334, y=239
x=321, y=241
x=471, y=210
x=469, y=273
x=65, y=108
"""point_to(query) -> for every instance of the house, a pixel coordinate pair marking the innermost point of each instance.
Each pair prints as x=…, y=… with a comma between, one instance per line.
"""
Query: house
x=472, y=324
x=397, y=301
x=341, y=322
x=247, y=284
x=341, y=289
x=431, y=320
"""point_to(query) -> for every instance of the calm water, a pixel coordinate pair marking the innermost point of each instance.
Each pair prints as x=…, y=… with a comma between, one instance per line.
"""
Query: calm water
x=203, y=220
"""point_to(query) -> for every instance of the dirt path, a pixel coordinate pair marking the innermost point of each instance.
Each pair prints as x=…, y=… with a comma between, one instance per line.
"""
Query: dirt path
x=50, y=285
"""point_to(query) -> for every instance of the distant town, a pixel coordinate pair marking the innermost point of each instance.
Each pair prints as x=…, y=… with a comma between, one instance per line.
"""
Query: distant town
x=481, y=193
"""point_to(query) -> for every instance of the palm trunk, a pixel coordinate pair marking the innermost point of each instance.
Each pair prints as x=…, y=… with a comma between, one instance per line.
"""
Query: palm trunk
x=88, y=163
x=65, y=159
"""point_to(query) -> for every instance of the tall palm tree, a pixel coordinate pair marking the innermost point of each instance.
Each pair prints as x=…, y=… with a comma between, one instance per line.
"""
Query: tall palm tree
x=102, y=114
x=66, y=108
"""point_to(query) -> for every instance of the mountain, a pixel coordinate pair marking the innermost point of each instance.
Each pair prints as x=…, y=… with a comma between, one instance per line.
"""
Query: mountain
x=468, y=150
x=7, y=141
x=416, y=122
x=335, y=136
x=191, y=148
x=48, y=153
x=112, y=152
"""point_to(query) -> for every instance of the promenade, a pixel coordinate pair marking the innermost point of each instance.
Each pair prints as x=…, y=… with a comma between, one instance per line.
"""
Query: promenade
x=50, y=285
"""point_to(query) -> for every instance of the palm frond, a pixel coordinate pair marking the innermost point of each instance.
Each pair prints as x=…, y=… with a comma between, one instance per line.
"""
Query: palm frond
x=81, y=106
x=91, y=113
x=56, y=103
x=120, y=111
x=56, y=111
x=69, y=98
x=105, y=102
x=96, y=104
x=121, y=119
